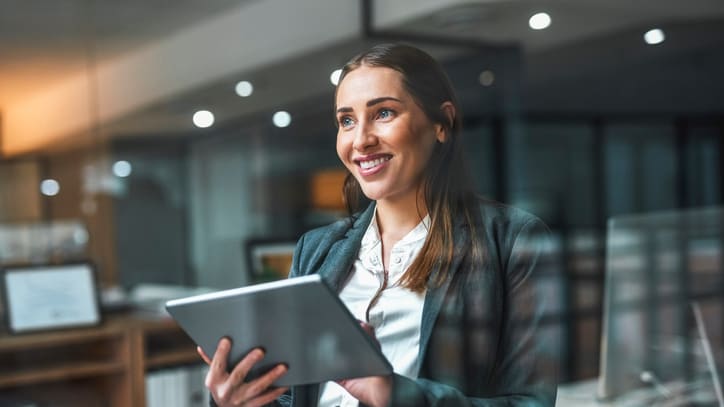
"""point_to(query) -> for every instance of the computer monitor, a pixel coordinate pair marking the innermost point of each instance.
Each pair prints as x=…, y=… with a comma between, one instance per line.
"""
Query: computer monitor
x=657, y=266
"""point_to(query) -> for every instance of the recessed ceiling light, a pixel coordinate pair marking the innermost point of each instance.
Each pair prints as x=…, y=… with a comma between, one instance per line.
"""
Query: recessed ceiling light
x=244, y=89
x=539, y=21
x=654, y=36
x=486, y=78
x=122, y=168
x=334, y=77
x=203, y=119
x=49, y=187
x=282, y=119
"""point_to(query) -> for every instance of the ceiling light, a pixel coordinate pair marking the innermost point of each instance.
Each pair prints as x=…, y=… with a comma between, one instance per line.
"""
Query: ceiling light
x=486, y=78
x=282, y=119
x=49, y=187
x=654, y=36
x=539, y=21
x=334, y=77
x=122, y=168
x=203, y=119
x=244, y=89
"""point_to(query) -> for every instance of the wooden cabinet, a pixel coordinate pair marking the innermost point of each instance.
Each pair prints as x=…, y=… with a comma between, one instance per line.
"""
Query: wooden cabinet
x=99, y=366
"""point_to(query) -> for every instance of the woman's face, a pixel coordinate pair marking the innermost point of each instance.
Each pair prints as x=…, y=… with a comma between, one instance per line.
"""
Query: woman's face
x=384, y=139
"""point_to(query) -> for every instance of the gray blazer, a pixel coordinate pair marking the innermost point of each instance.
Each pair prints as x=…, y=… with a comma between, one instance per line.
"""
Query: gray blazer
x=480, y=342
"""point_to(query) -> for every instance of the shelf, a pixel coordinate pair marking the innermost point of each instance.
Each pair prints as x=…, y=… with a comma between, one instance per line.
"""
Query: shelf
x=63, y=394
x=85, y=370
x=178, y=357
x=10, y=342
x=103, y=365
x=165, y=344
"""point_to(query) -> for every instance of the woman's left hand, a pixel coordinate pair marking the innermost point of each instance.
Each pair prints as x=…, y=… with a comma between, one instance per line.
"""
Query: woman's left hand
x=373, y=391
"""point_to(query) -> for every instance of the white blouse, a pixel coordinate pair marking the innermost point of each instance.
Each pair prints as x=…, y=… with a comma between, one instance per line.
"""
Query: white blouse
x=397, y=315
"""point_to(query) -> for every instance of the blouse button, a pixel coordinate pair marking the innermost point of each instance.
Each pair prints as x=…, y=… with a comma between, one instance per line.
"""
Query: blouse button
x=398, y=260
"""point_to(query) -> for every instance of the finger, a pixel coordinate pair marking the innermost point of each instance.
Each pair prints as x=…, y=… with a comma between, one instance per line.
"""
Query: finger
x=217, y=368
x=258, y=388
x=367, y=328
x=370, y=330
x=203, y=355
x=242, y=369
x=267, y=397
x=261, y=384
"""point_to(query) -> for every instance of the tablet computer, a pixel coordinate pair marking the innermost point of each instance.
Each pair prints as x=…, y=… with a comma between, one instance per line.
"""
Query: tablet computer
x=299, y=321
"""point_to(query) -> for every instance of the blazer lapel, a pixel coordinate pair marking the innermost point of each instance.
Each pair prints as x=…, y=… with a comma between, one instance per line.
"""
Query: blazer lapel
x=343, y=252
x=436, y=294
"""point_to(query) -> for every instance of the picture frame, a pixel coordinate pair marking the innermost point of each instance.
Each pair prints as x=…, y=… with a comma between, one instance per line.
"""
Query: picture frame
x=50, y=296
x=269, y=259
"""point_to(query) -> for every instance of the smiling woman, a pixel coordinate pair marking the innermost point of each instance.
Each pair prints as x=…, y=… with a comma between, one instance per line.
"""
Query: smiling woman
x=441, y=279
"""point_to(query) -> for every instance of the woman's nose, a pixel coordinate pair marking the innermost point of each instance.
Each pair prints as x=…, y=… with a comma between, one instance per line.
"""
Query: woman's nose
x=364, y=137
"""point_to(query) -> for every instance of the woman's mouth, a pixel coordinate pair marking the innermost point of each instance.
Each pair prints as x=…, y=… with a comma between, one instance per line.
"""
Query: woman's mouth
x=370, y=166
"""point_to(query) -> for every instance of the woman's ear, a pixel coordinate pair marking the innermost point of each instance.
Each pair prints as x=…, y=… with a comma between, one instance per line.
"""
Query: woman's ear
x=448, y=109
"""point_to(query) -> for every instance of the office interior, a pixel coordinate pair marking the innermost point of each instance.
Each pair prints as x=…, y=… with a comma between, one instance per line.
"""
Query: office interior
x=182, y=147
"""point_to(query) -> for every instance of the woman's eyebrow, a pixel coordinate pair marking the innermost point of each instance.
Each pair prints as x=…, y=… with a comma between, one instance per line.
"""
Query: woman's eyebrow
x=382, y=99
x=371, y=102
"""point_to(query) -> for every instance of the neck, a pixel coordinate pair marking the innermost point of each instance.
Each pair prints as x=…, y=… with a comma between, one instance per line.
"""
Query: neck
x=396, y=218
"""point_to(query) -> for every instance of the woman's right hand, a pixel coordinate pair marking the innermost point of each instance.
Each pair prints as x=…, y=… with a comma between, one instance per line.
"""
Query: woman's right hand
x=231, y=389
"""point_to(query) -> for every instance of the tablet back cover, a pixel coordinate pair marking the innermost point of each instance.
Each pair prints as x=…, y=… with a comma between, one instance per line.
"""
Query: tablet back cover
x=298, y=321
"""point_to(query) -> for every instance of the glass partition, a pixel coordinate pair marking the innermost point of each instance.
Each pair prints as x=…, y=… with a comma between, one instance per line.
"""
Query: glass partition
x=659, y=268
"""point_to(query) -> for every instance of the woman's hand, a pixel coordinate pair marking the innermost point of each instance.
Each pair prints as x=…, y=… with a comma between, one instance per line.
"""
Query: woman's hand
x=374, y=390
x=231, y=389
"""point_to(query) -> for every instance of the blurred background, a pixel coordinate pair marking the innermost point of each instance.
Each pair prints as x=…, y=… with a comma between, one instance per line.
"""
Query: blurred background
x=170, y=141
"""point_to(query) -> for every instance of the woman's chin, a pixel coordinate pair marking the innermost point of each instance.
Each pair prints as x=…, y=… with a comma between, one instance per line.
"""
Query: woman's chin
x=373, y=194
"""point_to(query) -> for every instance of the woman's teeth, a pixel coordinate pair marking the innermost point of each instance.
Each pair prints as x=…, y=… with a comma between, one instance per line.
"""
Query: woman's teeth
x=372, y=163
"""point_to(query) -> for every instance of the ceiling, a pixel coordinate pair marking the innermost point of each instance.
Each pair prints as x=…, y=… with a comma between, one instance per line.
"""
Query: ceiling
x=42, y=43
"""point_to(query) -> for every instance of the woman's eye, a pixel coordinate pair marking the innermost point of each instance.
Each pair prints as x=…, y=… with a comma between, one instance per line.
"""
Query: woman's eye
x=384, y=114
x=345, y=121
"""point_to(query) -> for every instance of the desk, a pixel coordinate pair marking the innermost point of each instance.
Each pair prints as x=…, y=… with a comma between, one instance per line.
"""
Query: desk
x=583, y=394
x=99, y=366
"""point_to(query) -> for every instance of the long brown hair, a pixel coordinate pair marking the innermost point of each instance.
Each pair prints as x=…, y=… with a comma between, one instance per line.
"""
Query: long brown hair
x=447, y=193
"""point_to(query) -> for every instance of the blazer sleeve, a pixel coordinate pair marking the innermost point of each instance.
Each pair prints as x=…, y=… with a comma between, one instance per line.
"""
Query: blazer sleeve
x=526, y=370
x=294, y=271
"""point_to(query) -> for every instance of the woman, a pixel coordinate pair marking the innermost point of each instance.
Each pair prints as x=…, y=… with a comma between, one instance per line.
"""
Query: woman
x=440, y=277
